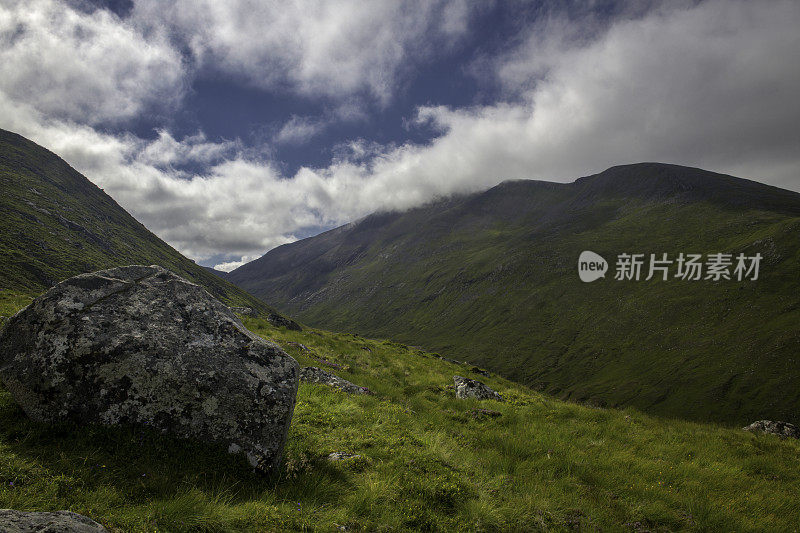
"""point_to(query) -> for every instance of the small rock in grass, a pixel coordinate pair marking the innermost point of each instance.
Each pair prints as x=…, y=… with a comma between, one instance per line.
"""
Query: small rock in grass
x=312, y=374
x=247, y=311
x=12, y=521
x=470, y=388
x=328, y=363
x=782, y=429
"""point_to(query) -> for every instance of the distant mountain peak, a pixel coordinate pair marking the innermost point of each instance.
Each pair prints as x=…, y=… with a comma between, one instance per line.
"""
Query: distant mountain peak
x=656, y=181
x=491, y=278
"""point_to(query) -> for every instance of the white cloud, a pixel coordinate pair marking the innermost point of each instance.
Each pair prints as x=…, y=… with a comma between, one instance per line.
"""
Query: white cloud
x=330, y=48
x=86, y=67
x=712, y=85
x=166, y=151
x=299, y=130
x=233, y=265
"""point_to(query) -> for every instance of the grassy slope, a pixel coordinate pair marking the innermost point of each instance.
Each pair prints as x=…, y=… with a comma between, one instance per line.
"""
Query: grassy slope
x=56, y=224
x=504, y=293
x=426, y=462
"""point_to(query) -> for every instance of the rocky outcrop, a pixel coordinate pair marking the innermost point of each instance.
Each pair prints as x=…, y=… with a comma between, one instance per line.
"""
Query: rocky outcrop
x=783, y=429
x=312, y=374
x=247, y=311
x=470, y=388
x=12, y=521
x=280, y=321
x=141, y=345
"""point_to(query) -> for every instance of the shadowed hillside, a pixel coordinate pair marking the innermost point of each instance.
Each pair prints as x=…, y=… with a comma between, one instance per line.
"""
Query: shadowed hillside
x=492, y=278
x=56, y=224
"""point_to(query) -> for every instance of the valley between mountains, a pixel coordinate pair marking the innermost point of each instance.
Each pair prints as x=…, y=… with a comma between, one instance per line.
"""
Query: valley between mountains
x=491, y=278
x=621, y=402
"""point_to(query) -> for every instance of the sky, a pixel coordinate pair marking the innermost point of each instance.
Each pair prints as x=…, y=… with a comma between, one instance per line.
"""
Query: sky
x=230, y=128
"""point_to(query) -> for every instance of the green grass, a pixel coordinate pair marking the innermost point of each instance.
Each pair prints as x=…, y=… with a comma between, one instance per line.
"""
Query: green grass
x=505, y=294
x=427, y=462
x=10, y=303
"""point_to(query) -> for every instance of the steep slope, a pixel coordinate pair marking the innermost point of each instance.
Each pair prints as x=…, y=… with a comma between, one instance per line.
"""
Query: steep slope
x=56, y=224
x=420, y=460
x=492, y=278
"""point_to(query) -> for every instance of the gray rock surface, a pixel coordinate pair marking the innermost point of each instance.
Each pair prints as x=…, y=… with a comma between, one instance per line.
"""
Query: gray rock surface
x=784, y=429
x=12, y=521
x=141, y=345
x=470, y=388
x=312, y=374
x=247, y=311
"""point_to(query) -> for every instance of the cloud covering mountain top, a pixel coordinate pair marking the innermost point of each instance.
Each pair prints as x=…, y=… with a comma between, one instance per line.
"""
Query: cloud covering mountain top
x=561, y=94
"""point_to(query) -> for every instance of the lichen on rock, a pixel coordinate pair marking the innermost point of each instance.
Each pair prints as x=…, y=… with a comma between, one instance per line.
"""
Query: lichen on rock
x=782, y=429
x=312, y=374
x=471, y=388
x=141, y=345
x=13, y=521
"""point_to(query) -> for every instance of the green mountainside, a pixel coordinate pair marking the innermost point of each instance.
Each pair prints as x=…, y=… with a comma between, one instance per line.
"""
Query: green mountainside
x=491, y=278
x=413, y=457
x=422, y=461
x=56, y=224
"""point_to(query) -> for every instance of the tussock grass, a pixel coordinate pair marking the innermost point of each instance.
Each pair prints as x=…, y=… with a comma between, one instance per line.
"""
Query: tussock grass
x=426, y=462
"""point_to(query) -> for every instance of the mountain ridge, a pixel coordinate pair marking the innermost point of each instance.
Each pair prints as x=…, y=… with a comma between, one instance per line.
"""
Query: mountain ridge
x=58, y=224
x=491, y=278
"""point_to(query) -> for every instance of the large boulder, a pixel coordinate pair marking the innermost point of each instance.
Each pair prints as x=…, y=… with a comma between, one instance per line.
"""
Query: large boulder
x=140, y=345
x=471, y=388
x=12, y=521
x=783, y=429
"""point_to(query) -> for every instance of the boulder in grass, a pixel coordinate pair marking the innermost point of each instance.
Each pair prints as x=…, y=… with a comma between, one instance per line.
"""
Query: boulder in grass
x=12, y=521
x=141, y=345
x=782, y=429
x=471, y=388
x=312, y=374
